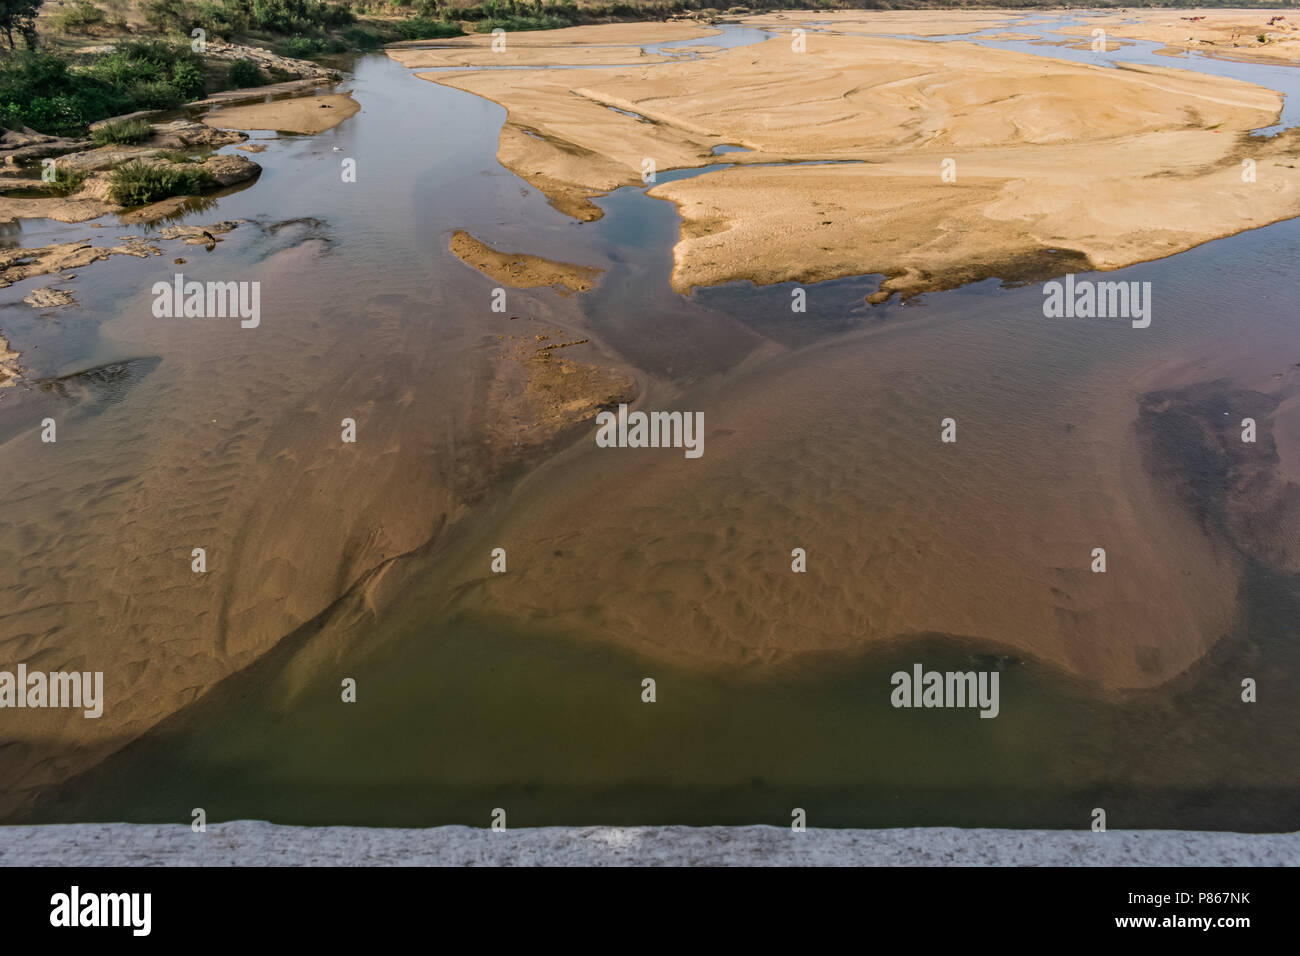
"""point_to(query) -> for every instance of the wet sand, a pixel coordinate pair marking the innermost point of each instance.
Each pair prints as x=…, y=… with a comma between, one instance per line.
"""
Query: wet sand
x=521, y=270
x=9, y=369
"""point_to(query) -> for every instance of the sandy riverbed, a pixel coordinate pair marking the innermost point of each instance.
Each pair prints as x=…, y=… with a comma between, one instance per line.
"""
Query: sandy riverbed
x=1153, y=171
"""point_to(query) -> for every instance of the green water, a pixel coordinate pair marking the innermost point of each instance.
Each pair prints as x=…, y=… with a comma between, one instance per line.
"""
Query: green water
x=555, y=732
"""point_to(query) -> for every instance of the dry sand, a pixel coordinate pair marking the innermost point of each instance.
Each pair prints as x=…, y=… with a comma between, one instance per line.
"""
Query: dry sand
x=1231, y=33
x=611, y=44
x=482, y=55
x=925, y=23
x=1096, y=167
x=303, y=114
x=520, y=270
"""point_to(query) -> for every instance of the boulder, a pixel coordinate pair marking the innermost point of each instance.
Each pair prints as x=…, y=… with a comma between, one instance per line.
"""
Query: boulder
x=229, y=170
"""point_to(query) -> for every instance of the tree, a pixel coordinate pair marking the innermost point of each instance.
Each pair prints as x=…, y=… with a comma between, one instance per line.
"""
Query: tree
x=19, y=15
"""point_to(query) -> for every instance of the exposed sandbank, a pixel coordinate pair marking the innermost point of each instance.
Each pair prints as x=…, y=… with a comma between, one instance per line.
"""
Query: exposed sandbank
x=1109, y=167
x=614, y=43
x=521, y=270
x=925, y=23
x=1230, y=33
x=303, y=114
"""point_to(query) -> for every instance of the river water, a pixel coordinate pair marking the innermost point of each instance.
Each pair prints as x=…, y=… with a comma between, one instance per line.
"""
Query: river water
x=524, y=691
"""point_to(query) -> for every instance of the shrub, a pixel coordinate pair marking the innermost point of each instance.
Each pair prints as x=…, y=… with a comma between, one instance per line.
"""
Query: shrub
x=136, y=183
x=189, y=80
x=67, y=181
x=422, y=28
x=522, y=23
x=246, y=73
x=302, y=47
x=364, y=39
x=298, y=16
x=78, y=17
x=157, y=95
x=121, y=132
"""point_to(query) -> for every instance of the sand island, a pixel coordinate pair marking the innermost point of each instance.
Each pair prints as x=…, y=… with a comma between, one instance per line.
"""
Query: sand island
x=957, y=161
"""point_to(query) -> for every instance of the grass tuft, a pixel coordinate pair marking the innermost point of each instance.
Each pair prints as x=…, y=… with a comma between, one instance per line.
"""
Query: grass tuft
x=136, y=183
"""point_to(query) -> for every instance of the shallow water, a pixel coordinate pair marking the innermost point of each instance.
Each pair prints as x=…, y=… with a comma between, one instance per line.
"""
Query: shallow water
x=525, y=692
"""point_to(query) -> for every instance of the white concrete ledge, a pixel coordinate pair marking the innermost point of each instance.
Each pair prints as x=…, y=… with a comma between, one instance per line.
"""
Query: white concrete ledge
x=253, y=843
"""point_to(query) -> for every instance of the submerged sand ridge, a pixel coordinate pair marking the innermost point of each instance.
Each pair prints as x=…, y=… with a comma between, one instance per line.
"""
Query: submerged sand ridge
x=973, y=162
x=941, y=548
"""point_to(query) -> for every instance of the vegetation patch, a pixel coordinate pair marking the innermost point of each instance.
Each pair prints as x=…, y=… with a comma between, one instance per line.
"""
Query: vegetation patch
x=53, y=95
x=121, y=132
x=137, y=183
x=245, y=73
x=67, y=182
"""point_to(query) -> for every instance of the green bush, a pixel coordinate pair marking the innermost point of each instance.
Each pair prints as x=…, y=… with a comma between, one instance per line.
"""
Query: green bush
x=422, y=28
x=67, y=181
x=78, y=17
x=246, y=73
x=523, y=23
x=226, y=17
x=136, y=183
x=43, y=91
x=301, y=48
x=121, y=132
x=363, y=39
x=190, y=80
x=298, y=16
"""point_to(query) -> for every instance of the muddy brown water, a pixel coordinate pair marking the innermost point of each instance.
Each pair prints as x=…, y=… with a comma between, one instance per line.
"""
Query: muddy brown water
x=523, y=691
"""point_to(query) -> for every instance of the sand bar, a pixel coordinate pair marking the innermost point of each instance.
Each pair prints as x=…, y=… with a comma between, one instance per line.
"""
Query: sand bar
x=1229, y=33
x=521, y=270
x=1106, y=167
x=304, y=114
